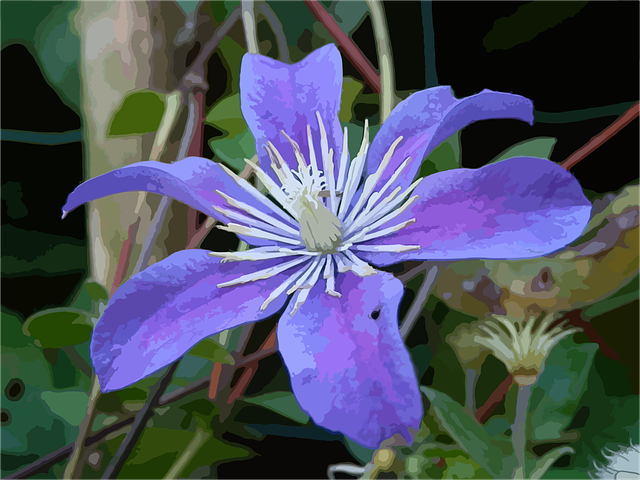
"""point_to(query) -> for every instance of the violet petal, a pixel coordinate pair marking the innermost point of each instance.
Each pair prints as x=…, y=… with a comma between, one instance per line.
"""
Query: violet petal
x=276, y=96
x=429, y=117
x=521, y=207
x=349, y=368
x=192, y=181
x=159, y=314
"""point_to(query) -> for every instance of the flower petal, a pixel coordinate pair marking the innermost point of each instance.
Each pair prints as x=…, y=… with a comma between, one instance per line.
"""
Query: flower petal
x=519, y=208
x=429, y=117
x=192, y=181
x=275, y=96
x=159, y=314
x=349, y=368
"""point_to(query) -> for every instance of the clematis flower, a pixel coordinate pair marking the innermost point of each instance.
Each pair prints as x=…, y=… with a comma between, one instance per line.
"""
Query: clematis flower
x=522, y=345
x=326, y=222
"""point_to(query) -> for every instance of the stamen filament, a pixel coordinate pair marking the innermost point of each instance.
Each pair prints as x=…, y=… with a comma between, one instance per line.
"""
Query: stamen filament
x=257, y=233
x=251, y=190
x=258, y=214
x=360, y=268
x=312, y=151
x=344, y=162
x=278, y=165
x=296, y=151
x=281, y=288
x=353, y=180
x=260, y=253
x=371, y=182
x=385, y=248
x=308, y=273
x=252, y=222
x=264, y=274
x=386, y=231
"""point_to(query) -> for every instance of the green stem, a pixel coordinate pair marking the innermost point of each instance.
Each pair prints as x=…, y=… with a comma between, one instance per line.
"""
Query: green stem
x=249, y=24
x=519, y=436
x=199, y=438
x=72, y=466
x=388, y=98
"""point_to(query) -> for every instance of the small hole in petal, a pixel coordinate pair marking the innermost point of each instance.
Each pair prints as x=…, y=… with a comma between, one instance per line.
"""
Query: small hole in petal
x=375, y=314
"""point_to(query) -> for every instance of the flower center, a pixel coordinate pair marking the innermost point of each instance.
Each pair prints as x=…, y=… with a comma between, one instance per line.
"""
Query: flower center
x=320, y=230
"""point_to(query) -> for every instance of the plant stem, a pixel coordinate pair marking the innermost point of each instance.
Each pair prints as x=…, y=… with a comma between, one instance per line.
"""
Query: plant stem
x=483, y=413
x=249, y=24
x=596, y=142
x=388, y=98
x=471, y=379
x=419, y=302
x=71, y=470
x=348, y=47
x=199, y=437
x=430, y=72
x=126, y=447
x=278, y=31
x=519, y=436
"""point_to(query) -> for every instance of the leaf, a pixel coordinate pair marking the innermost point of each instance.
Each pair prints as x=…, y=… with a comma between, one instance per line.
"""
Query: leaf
x=495, y=457
x=227, y=116
x=211, y=350
x=283, y=403
x=350, y=90
x=234, y=149
x=59, y=327
x=446, y=156
x=539, y=147
x=543, y=463
x=140, y=112
x=96, y=291
x=558, y=391
x=71, y=406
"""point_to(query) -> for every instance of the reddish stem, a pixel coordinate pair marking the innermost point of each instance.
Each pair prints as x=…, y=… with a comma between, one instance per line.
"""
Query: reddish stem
x=625, y=119
x=593, y=334
x=485, y=411
x=346, y=45
x=125, y=256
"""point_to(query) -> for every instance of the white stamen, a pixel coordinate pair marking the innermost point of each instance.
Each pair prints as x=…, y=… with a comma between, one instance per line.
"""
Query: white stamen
x=360, y=268
x=278, y=165
x=390, y=216
x=251, y=190
x=312, y=151
x=296, y=151
x=341, y=262
x=385, y=232
x=353, y=180
x=260, y=253
x=385, y=248
x=317, y=262
x=344, y=162
x=371, y=182
x=257, y=233
x=299, y=299
x=252, y=222
x=385, y=207
x=377, y=195
x=281, y=288
x=258, y=214
x=264, y=274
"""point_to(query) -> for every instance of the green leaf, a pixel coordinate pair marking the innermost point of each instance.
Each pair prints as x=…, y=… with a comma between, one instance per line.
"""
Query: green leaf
x=140, y=112
x=227, y=116
x=558, y=391
x=71, y=406
x=493, y=455
x=350, y=90
x=233, y=149
x=96, y=291
x=59, y=327
x=445, y=156
x=539, y=147
x=542, y=464
x=283, y=403
x=211, y=350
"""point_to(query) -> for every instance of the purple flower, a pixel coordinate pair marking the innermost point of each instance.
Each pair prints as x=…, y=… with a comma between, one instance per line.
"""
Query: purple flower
x=316, y=247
